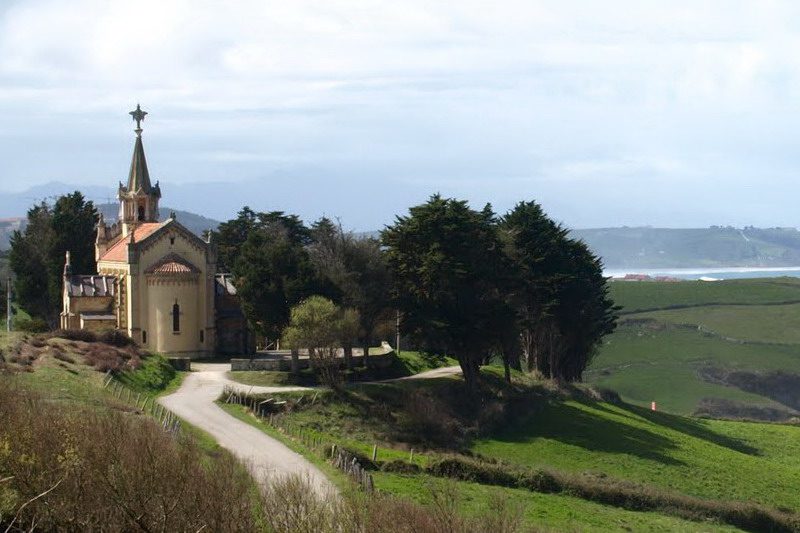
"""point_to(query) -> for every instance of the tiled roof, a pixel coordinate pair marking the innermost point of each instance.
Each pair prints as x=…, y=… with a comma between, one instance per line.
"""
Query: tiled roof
x=224, y=284
x=82, y=285
x=173, y=264
x=173, y=267
x=119, y=252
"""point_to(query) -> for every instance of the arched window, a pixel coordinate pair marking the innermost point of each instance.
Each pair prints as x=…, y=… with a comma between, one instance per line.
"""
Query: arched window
x=141, y=213
x=176, y=318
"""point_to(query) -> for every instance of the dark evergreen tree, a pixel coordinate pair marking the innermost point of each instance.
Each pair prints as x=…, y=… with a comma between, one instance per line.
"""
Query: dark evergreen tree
x=274, y=272
x=447, y=265
x=559, y=293
x=37, y=255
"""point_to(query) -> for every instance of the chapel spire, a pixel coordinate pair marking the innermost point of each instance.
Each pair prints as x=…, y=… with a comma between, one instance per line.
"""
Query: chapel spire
x=139, y=200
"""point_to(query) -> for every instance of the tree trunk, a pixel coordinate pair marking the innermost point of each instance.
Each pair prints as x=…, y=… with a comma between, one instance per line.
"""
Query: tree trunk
x=471, y=371
x=507, y=369
x=366, y=354
x=295, y=361
x=348, y=357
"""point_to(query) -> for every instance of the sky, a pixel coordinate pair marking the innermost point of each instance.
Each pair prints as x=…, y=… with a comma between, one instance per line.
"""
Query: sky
x=677, y=114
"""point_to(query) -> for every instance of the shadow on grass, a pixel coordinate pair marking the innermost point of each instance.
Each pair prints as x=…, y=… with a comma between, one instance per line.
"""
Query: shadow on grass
x=694, y=428
x=570, y=425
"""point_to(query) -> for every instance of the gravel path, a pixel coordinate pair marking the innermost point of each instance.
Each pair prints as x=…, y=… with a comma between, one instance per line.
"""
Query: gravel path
x=264, y=456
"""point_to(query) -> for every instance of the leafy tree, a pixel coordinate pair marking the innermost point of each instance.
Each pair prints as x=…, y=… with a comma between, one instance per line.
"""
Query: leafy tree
x=448, y=268
x=559, y=293
x=232, y=235
x=321, y=326
x=358, y=269
x=28, y=259
x=37, y=254
x=273, y=272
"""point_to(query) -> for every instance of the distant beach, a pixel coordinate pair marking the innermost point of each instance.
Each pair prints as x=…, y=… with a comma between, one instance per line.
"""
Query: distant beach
x=708, y=273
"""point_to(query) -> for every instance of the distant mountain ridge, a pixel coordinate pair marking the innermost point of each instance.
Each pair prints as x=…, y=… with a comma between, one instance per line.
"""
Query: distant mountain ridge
x=628, y=248
x=717, y=246
x=197, y=224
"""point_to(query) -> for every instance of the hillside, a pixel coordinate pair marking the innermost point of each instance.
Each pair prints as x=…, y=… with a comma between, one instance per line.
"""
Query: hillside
x=565, y=458
x=646, y=247
x=728, y=348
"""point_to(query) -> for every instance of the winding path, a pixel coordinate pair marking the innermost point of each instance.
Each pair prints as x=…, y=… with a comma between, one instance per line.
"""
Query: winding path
x=264, y=456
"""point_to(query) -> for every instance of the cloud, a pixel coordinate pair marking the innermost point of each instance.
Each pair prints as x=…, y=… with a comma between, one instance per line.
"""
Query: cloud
x=488, y=101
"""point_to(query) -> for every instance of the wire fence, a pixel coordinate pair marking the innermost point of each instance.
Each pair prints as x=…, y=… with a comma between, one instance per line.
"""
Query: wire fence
x=144, y=403
x=267, y=410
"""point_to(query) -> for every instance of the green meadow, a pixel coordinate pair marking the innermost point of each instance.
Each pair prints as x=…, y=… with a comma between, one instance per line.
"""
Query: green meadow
x=670, y=332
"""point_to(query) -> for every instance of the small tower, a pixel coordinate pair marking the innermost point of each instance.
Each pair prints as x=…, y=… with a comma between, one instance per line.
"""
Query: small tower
x=138, y=202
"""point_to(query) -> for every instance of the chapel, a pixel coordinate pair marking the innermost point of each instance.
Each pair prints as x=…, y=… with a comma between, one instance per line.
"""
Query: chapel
x=156, y=280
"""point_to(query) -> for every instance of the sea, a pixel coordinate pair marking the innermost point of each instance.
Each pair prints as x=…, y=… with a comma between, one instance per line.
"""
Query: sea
x=708, y=274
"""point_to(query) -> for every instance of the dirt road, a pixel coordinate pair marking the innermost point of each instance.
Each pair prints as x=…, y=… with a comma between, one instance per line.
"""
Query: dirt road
x=264, y=456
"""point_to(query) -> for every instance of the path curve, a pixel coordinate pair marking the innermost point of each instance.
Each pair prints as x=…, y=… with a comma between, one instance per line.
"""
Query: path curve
x=265, y=457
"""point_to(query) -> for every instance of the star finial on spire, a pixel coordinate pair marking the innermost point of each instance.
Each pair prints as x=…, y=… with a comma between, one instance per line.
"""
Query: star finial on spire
x=138, y=116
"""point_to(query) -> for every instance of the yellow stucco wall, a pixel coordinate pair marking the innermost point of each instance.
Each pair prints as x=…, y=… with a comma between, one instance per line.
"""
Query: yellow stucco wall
x=146, y=299
x=151, y=310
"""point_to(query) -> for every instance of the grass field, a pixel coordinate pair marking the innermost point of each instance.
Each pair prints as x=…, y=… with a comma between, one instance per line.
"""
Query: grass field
x=638, y=296
x=706, y=458
x=543, y=511
x=670, y=331
x=568, y=433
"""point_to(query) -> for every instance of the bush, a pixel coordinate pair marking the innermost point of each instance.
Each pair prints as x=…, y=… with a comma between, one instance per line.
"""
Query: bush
x=111, y=472
x=292, y=505
x=31, y=325
x=117, y=338
x=83, y=335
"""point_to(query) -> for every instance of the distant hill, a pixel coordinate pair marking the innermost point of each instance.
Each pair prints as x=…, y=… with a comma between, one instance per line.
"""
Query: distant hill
x=646, y=247
x=197, y=224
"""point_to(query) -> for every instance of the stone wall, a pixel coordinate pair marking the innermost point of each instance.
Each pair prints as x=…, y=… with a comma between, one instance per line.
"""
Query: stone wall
x=283, y=363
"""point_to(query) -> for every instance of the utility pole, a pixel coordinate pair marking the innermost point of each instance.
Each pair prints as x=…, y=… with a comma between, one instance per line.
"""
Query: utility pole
x=8, y=307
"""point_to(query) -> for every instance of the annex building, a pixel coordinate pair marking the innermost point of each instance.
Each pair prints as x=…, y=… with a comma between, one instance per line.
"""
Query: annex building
x=156, y=281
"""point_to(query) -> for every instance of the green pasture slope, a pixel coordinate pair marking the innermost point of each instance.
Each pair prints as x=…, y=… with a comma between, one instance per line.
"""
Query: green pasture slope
x=569, y=434
x=670, y=332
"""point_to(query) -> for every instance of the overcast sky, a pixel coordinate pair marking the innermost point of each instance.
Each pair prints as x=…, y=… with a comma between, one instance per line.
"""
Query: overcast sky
x=608, y=113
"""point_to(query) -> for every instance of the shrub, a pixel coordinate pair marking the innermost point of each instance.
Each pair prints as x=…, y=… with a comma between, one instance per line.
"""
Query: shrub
x=61, y=356
x=83, y=335
x=117, y=338
x=111, y=472
x=105, y=358
x=31, y=325
x=292, y=504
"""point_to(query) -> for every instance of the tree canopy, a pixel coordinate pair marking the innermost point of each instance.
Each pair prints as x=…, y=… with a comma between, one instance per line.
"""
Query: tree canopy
x=448, y=268
x=560, y=295
x=273, y=272
x=322, y=327
x=37, y=253
x=357, y=268
x=471, y=285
